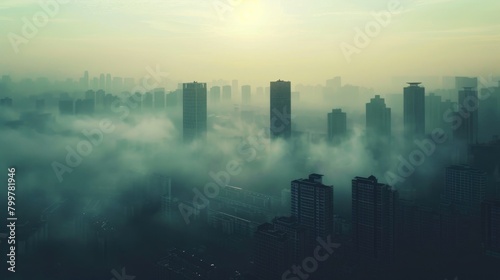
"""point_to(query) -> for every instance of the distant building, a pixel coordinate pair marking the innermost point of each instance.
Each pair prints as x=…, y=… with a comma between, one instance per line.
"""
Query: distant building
x=468, y=130
x=194, y=111
x=214, y=95
x=84, y=107
x=373, y=220
x=433, y=112
x=174, y=98
x=414, y=111
x=332, y=89
x=312, y=206
x=102, y=82
x=108, y=84
x=99, y=99
x=147, y=101
x=299, y=237
x=465, y=188
x=280, y=110
x=490, y=217
x=272, y=252
x=337, y=126
x=378, y=118
x=489, y=114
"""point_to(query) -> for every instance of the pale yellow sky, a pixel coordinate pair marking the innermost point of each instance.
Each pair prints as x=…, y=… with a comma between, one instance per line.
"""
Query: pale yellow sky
x=251, y=40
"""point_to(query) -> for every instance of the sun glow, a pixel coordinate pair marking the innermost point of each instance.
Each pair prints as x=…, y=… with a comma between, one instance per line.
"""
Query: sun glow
x=253, y=19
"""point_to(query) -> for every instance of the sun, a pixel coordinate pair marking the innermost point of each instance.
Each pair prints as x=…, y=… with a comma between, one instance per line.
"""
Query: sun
x=252, y=19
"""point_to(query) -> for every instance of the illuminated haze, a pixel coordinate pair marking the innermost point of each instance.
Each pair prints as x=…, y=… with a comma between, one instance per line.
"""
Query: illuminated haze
x=257, y=41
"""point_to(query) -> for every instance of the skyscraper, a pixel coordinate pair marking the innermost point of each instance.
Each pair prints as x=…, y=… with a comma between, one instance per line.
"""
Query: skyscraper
x=373, y=220
x=433, y=112
x=102, y=82
x=194, y=111
x=337, y=126
x=108, y=84
x=173, y=98
x=414, y=111
x=490, y=216
x=298, y=234
x=84, y=81
x=147, y=101
x=465, y=188
x=272, y=252
x=489, y=114
x=215, y=94
x=312, y=206
x=378, y=118
x=280, y=110
x=332, y=89
x=467, y=132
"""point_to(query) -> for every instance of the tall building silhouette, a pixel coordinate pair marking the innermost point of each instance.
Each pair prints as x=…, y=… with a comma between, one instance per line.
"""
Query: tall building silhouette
x=414, y=111
x=373, y=220
x=468, y=130
x=490, y=217
x=84, y=107
x=272, y=252
x=147, y=101
x=337, y=126
x=280, y=110
x=108, y=85
x=332, y=89
x=194, y=111
x=84, y=81
x=298, y=234
x=102, y=82
x=378, y=118
x=215, y=94
x=173, y=98
x=489, y=114
x=312, y=206
x=433, y=112
x=465, y=188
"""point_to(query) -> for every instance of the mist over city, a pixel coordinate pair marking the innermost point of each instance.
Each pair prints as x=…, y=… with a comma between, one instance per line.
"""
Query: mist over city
x=249, y=139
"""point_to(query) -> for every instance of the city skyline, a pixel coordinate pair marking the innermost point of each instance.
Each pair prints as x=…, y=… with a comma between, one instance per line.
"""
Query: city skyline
x=250, y=139
x=238, y=36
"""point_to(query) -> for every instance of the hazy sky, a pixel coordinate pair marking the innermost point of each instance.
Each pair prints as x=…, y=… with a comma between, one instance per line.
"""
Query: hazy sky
x=253, y=40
